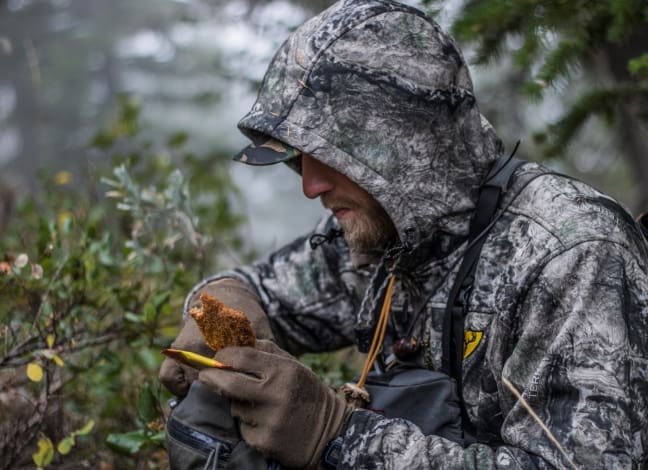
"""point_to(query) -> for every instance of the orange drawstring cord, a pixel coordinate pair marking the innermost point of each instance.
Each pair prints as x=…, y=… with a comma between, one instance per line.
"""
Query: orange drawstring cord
x=379, y=334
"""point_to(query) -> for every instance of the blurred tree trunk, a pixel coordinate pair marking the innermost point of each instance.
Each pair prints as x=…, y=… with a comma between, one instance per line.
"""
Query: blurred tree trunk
x=632, y=128
x=634, y=136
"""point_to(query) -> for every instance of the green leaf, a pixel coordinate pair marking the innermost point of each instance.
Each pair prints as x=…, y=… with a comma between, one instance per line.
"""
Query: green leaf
x=158, y=438
x=161, y=298
x=89, y=265
x=103, y=140
x=638, y=65
x=47, y=308
x=65, y=446
x=129, y=443
x=178, y=139
x=65, y=222
x=132, y=317
x=147, y=404
x=45, y=453
x=149, y=312
x=85, y=430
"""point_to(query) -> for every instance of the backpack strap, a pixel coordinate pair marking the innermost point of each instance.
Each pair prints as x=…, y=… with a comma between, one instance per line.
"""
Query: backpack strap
x=490, y=193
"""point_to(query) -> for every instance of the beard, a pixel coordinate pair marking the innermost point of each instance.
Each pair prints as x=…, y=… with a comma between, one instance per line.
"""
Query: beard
x=369, y=229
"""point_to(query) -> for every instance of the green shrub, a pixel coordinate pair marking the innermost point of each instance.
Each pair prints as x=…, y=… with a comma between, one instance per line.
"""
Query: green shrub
x=92, y=278
x=93, y=275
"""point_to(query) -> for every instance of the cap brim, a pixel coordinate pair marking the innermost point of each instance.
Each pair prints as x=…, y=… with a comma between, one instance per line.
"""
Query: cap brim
x=266, y=151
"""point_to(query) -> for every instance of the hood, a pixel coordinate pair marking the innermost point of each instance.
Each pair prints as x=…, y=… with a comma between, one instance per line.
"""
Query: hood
x=376, y=90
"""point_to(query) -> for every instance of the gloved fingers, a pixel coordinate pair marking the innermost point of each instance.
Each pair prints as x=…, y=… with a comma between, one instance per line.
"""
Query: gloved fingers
x=233, y=384
x=251, y=435
x=267, y=417
x=176, y=378
x=271, y=347
x=246, y=359
x=243, y=411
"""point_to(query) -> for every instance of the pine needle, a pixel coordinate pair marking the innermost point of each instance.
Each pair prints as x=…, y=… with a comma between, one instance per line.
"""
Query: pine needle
x=544, y=428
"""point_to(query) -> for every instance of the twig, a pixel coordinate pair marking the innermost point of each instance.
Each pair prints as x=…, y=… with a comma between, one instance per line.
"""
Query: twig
x=5, y=335
x=13, y=444
x=47, y=291
x=18, y=350
x=32, y=60
x=544, y=428
x=91, y=342
x=10, y=359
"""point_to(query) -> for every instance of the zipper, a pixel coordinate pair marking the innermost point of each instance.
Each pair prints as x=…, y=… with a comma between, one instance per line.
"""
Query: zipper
x=203, y=443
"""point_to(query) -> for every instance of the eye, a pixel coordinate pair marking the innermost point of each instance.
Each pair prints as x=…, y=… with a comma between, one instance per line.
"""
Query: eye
x=295, y=164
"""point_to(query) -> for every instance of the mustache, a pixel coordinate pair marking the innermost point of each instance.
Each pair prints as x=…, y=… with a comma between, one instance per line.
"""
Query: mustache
x=334, y=202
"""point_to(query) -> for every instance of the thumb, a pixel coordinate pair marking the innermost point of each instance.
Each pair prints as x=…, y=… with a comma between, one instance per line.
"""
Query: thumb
x=256, y=361
x=242, y=358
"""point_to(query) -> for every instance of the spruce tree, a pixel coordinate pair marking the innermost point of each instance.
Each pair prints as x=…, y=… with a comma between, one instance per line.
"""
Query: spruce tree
x=601, y=43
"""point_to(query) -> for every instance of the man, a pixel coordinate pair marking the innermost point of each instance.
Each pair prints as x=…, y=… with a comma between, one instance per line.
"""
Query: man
x=372, y=103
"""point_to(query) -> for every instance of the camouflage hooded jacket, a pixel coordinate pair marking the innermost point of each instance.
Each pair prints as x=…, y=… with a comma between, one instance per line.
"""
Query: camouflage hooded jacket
x=376, y=90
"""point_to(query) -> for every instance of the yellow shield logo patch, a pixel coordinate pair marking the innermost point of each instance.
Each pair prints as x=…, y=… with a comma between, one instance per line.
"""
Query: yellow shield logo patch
x=471, y=341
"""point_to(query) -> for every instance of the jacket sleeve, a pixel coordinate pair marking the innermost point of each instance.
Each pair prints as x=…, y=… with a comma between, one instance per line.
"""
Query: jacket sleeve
x=576, y=349
x=309, y=294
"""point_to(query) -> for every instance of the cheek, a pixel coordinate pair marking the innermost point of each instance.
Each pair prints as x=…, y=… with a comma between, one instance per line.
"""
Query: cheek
x=363, y=200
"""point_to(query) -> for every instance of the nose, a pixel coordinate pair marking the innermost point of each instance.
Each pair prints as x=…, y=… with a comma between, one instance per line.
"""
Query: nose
x=315, y=177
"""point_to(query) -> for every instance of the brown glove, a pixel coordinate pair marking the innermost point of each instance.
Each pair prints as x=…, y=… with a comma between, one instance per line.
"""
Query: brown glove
x=285, y=411
x=233, y=293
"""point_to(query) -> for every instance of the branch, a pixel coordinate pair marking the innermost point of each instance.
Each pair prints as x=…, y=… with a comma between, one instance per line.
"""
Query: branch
x=16, y=359
x=20, y=350
x=19, y=432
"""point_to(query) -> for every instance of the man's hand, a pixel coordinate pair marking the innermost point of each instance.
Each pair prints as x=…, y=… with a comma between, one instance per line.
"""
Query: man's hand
x=177, y=377
x=285, y=410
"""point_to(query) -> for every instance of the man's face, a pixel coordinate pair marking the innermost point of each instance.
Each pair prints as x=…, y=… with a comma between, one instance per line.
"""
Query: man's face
x=366, y=225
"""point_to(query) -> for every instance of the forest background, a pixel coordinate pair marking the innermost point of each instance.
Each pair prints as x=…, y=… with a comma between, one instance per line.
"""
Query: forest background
x=117, y=122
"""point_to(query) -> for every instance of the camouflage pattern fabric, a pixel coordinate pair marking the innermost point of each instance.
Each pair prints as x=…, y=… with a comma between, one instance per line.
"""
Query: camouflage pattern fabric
x=378, y=91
